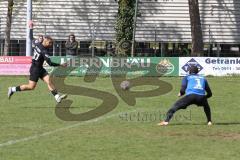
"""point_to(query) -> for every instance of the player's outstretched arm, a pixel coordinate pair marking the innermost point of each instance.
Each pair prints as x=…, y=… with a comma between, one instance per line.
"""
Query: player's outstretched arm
x=183, y=87
x=208, y=90
x=49, y=62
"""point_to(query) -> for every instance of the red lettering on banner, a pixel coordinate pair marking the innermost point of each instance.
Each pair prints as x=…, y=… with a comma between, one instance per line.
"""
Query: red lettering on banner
x=15, y=60
x=15, y=65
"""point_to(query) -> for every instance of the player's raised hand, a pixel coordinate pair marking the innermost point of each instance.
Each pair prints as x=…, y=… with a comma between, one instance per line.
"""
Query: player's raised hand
x=30, y=24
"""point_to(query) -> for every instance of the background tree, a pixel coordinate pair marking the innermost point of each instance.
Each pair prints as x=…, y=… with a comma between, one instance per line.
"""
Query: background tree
x=196, y=29
x=124, y=25
x=8, y=27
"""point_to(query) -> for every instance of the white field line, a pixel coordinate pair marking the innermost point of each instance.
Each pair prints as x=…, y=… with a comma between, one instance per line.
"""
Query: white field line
x=11, y=142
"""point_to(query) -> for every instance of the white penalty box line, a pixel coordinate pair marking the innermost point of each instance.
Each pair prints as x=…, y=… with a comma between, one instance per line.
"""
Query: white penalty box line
x=12, y=142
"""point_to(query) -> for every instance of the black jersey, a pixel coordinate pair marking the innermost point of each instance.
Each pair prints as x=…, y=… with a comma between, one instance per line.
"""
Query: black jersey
x=40, y=54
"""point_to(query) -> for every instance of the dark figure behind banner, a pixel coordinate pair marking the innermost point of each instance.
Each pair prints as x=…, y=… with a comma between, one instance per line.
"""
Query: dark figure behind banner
x=71, y=46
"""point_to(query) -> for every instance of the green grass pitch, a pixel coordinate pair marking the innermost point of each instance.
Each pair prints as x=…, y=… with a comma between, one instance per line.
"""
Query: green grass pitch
x=30, y=129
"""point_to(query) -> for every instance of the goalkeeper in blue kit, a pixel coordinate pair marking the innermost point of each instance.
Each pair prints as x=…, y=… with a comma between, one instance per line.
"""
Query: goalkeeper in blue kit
x=194, y=86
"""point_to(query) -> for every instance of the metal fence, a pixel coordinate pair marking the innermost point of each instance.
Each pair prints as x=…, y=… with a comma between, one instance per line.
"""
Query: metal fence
x=1, y=38
x=155, y=48
x=143, y=49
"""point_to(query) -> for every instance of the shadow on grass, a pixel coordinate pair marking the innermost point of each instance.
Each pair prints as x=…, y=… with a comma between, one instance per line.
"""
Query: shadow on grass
x=227, y=123
x=200, y=124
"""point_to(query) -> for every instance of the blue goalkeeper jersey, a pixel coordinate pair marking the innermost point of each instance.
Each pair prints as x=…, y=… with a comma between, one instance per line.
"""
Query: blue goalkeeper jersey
x=195, y=84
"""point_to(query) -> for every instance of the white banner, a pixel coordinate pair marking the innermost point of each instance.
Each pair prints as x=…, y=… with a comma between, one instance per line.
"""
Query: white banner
x=216, y=66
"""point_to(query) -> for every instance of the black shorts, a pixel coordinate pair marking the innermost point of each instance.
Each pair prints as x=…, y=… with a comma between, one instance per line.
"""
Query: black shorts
x=199, y=100
x=36, y=73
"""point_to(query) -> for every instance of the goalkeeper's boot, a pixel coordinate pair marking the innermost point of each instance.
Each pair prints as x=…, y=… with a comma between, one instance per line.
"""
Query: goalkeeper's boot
x=59, y=98
x=10, y=92
x=163, y=123
x=209, y=123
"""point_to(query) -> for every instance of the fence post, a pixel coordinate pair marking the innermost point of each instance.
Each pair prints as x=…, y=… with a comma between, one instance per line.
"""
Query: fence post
x=155, y=41
x=45, y=30
x=218, y=50
x=54, y=48
x=29, y=29
x=1, y=43
x=134, y=28
x=162, y=49
x=209, y=41
x=93, y=41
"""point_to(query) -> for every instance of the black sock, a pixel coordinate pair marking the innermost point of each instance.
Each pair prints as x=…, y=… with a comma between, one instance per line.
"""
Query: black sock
x=54, y=92
x=18, y=89
x=207, y=111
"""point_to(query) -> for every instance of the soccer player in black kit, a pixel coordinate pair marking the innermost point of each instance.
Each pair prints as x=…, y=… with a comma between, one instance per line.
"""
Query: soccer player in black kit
x=40, y=54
